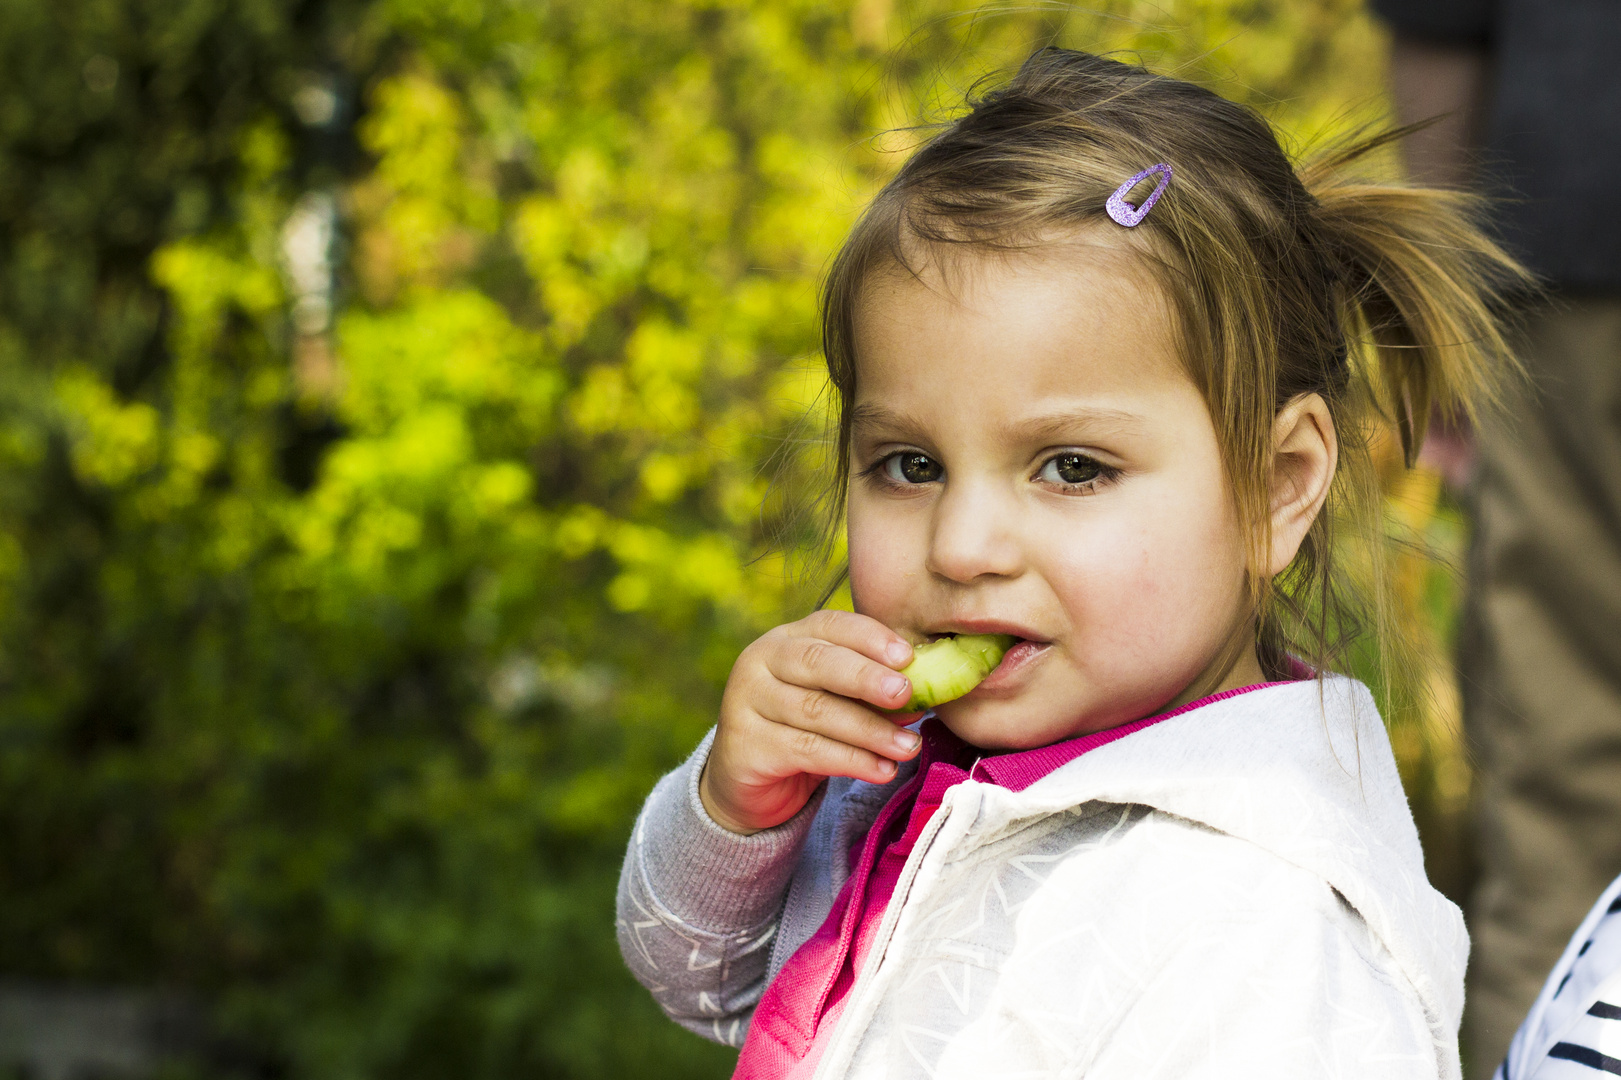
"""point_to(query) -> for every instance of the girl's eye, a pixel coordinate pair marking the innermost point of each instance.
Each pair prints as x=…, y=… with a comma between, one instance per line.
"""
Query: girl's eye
x=912, y=468
x=1071, y=469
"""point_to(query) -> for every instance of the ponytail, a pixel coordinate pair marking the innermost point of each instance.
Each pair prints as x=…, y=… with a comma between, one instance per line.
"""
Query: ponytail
x=1425, y=291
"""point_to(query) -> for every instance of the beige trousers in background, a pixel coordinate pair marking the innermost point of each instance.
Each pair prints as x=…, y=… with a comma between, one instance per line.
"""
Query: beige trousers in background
x=1541, y=665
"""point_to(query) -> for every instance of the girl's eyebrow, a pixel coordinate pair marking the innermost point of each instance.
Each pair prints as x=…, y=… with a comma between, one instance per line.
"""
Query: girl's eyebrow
x=876, y=415
x=872, y=415
x=1049, y=425
x=1044, y=426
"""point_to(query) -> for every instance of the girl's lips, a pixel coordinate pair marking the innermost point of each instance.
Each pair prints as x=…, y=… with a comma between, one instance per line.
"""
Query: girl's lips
x=1013, y=664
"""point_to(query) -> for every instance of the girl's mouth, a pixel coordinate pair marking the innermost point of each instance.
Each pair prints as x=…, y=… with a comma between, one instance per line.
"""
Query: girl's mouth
x=1015, y=662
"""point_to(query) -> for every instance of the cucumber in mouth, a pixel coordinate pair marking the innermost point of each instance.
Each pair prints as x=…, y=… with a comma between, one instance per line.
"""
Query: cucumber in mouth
x=946, y=669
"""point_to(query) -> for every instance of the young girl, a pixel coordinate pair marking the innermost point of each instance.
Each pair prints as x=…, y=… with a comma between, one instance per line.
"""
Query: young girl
x=1107, y=368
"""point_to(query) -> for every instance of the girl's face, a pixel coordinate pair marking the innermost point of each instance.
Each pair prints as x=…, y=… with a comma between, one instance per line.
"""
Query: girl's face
x=1029, y=458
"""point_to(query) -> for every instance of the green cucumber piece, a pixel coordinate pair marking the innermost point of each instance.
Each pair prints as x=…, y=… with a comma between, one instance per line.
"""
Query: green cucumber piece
x=945, y=670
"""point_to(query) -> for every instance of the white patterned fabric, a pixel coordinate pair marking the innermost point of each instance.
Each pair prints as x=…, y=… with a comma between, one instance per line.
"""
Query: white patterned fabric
x=1236, y=891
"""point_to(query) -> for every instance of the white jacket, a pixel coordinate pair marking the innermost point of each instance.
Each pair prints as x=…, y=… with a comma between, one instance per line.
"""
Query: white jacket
x=1235, y=891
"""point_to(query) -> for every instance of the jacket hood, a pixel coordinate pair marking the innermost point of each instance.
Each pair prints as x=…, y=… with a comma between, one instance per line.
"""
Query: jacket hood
x=1305, y=771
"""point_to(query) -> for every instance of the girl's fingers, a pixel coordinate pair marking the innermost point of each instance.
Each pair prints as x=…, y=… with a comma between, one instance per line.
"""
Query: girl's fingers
x=797, y=693
x=810, y=712
x=865, y=635
x=812, y=752
x=816, y=664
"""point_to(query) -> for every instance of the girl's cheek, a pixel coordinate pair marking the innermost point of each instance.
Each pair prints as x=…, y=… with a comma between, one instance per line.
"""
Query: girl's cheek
x=879, y=567
x=1138, y=584
x=1112, y=585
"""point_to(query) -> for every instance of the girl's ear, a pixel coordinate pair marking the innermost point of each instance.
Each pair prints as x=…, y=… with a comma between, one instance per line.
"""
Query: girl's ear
x=1305, y=451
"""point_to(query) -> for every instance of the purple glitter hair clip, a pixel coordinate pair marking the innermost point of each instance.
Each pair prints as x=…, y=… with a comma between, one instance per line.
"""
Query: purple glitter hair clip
x=1131, y=216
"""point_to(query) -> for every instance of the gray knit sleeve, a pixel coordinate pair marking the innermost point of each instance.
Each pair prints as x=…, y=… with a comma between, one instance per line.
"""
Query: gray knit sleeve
x=698, y=905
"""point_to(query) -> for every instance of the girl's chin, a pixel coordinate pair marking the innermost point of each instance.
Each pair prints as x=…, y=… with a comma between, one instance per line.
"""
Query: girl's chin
x=1007, y=722
x=1035, y=703
x=1010, y=726
x=997, y=727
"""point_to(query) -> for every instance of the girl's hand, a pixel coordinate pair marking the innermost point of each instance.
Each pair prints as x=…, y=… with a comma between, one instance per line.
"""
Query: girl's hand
x=796, y=711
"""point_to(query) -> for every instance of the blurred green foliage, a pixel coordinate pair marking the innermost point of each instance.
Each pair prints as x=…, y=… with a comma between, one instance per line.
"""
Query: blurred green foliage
x=341, y=633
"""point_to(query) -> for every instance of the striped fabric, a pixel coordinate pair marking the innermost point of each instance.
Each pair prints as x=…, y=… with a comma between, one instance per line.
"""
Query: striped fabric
x=1574, y=1029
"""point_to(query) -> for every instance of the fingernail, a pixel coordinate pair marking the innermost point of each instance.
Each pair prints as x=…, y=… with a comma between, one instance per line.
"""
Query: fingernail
x=907, y=740
x=898, y=651
x=886, y=767
x=895, y=685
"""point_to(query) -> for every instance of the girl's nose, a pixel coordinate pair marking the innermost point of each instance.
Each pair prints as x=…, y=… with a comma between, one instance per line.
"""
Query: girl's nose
x=975, y=535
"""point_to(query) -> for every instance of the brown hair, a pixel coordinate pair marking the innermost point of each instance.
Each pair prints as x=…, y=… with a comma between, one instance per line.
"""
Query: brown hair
x=1381, y=298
